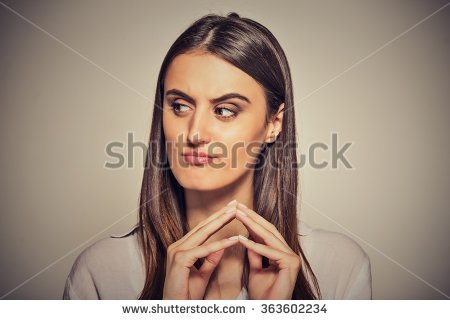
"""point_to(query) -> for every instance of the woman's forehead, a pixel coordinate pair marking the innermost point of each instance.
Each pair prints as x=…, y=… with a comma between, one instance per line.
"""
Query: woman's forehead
x=205, y=75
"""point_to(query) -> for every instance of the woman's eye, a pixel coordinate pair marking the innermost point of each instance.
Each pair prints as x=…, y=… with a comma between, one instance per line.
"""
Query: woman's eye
x=226, y=113
x=223, y=113
x=177, y=106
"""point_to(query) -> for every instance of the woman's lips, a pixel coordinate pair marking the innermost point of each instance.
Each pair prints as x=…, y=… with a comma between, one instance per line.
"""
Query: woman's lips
x=192, y=159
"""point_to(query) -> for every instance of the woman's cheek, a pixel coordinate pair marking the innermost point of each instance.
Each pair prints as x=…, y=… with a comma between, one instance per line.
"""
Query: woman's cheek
x=238, y=156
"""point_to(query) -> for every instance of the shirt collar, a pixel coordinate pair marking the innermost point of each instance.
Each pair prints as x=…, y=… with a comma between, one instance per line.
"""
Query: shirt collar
x=126, y=234
x=303, y=228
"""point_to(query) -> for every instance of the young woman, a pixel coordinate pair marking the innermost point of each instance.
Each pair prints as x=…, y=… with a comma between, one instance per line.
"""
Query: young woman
x=218, y=206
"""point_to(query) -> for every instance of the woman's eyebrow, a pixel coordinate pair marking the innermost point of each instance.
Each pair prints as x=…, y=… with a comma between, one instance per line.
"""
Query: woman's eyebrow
x=215, y=100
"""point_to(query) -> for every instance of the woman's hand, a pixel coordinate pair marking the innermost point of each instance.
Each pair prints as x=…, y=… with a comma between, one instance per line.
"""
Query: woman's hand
x=183, y=280
x=278, y=280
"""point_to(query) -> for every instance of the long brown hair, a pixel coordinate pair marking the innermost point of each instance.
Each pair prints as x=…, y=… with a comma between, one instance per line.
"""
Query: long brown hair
x=162, y=218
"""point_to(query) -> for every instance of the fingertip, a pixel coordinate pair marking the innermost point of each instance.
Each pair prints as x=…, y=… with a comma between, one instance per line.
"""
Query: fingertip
x=241, y=237
x=242, y=206
x=230, y=211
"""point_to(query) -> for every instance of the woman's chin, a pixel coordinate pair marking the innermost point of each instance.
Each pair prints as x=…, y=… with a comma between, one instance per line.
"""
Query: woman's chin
x=206, y=186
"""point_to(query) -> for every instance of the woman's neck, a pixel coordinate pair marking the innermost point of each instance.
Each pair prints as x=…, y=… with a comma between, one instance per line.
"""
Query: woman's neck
x=201, y=204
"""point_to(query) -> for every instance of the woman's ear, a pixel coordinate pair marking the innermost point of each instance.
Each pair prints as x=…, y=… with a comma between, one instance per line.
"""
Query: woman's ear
x=275, y=125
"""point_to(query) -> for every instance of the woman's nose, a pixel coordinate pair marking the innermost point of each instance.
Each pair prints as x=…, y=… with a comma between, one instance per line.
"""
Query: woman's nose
x=199, y=129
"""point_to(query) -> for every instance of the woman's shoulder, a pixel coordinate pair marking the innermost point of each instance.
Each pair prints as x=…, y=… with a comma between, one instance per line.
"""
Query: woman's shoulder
x=341, y=265
x=112, y=249
x=325, y=241
x=102, y=268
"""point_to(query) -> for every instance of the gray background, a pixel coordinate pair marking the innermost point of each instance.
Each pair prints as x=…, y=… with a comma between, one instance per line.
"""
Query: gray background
x=76, y=75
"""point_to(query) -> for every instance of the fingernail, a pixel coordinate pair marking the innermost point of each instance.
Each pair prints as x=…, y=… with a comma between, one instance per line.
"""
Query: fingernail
x=233, y=238
x=242, y=205
x=232, y=202
x=241, y=213
x=241, y=237
x=230, y=211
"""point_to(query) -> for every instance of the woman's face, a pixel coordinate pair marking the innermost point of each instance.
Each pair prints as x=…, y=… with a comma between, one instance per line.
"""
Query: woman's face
x=198, y=118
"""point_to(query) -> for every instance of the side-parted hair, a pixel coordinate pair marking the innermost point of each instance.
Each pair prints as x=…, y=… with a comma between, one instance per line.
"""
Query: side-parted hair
x=162, y=216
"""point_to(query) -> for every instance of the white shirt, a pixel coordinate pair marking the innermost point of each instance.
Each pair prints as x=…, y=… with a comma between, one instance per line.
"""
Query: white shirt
x=113, y=268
